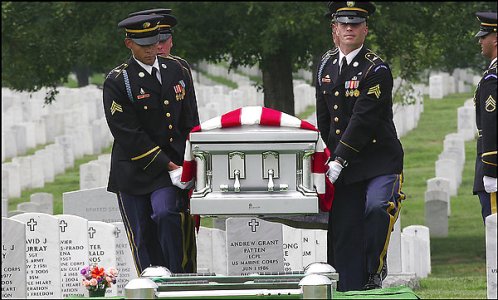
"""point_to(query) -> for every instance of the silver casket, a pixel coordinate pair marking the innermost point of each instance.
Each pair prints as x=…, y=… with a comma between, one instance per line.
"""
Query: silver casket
x=254, y=170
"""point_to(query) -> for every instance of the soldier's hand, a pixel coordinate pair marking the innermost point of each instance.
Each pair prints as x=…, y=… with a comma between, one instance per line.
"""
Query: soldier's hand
x=176, y=176
x=489, y=184
x=334, y=170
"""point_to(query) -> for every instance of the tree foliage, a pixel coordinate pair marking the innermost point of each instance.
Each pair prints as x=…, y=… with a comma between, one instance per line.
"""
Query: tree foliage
x=42, y=42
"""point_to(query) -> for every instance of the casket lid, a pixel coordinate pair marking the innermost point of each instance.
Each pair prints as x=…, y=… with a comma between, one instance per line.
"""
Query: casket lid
x=255, y=133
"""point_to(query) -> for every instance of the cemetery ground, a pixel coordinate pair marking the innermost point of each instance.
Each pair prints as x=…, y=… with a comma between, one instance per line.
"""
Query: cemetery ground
x=458, y=261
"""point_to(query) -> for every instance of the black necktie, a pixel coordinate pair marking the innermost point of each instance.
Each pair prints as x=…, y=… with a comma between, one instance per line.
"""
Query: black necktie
x=344, y=64
x=154, y=74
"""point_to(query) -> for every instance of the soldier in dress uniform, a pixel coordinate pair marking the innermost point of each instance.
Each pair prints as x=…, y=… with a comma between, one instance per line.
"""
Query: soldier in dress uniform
x=166, y=43
x=485, y=104
x=355, y=118
x=149, y=114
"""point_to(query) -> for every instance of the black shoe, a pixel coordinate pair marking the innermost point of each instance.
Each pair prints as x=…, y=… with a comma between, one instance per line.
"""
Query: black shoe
x=383, y=272
x=374, y=282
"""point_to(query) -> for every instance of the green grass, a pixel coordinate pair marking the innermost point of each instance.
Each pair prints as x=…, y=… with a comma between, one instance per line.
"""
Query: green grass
x=220, y=80
x=459, y=260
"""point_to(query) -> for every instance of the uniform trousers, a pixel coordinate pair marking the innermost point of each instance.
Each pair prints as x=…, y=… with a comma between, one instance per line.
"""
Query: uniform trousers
x=153, y=225
x=360, y=224
x=488, y=203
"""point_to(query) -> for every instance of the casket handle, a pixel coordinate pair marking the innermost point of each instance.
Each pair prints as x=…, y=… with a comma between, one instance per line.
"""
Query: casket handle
x=236, y=185
x=270, y=180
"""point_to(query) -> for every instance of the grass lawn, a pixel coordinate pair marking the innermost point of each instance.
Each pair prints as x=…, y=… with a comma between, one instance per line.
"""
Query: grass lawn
x=458, y=261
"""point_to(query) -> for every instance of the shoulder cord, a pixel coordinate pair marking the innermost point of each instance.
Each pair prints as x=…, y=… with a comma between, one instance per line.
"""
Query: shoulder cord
x=127, y=85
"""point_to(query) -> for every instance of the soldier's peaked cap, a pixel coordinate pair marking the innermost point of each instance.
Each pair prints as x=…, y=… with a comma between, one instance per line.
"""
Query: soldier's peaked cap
x=488, y=23
x=350, y=11
x=142, y=29
x=165, y=25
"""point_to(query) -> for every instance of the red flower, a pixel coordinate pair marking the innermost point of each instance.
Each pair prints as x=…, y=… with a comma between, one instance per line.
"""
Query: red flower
x=97, y=272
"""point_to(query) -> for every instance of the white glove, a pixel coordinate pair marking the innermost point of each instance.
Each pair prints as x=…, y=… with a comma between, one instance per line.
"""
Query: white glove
x=489, y=184
x=334, y=170
x=176, y=176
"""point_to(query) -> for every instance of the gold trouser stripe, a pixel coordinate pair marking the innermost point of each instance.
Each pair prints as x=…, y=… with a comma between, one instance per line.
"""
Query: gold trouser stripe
x=392, y=220
x=488, y=24
x=193, y=252
x=129, y=234
x=145, y=154
x=492, y=199
x=348, y=146
x=153, y=159
x=184, y=248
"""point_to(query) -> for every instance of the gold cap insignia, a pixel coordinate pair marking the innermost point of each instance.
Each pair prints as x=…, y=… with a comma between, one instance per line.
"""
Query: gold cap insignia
x=115, y=107
x=146, y=25
x=350, y=3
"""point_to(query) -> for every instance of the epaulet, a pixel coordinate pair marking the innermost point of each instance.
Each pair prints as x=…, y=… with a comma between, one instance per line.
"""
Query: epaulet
x=117, y=70
x=491, y=69
x=377, y=62
x=329, y=53
x=179, y=58
x=373, y=57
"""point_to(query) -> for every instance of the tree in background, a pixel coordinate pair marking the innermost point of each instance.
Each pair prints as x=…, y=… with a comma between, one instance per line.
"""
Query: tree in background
x=43, y=42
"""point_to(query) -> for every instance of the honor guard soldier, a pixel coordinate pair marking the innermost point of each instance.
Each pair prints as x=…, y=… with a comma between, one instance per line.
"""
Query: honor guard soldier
x=485, y=104
x=355, y=118
x=149, y=114
x=166, y=43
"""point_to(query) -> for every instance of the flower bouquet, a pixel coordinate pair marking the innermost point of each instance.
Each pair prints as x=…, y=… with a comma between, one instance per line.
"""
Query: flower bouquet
x=97, y=280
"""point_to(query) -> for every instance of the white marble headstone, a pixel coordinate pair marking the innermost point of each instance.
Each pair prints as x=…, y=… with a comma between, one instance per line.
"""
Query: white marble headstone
x=292, y=246
x=124, y=259
x=45, y=200
x=13, y=259
x=73, y=253
x=436, y=213
x=102, y=248
x=253, y=246
x=93, y=204
x=43, y=275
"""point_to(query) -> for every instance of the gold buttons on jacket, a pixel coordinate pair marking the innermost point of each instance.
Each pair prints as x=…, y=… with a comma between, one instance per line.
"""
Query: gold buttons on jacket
x=170, y=139
x=336, y=93
x=336, y=107
x=337, y=131
x=168, y=115
x=170, y=126
x=336, y=119
x=166, y=102
x=374, y=141
x=145, y=107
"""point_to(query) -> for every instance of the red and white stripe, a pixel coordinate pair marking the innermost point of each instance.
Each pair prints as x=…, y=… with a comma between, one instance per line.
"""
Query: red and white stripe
x=253, y=115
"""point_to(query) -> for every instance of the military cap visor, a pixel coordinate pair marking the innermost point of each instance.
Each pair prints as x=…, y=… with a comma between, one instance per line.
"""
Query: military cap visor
x=142, y=29
x=488, y=23
x=350, y=11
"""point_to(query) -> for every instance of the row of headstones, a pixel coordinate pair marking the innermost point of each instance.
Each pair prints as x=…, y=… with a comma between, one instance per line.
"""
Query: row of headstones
x=28, y=122
x=449, y=170
x=33, y=171
x=42, y=255
x=254, y=245
x=216, y=100
x=442, y=83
